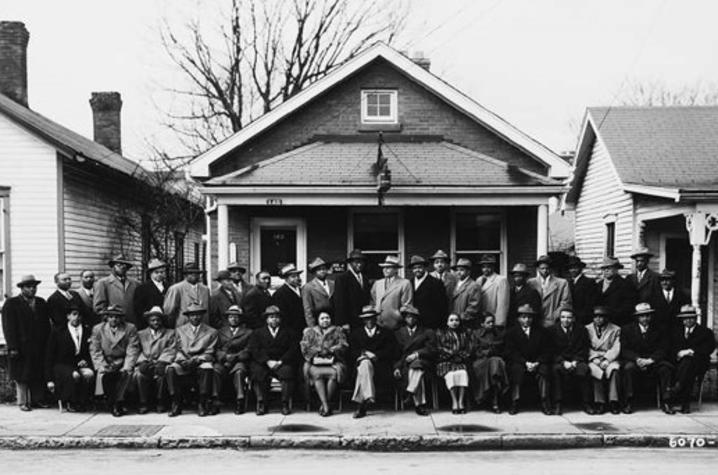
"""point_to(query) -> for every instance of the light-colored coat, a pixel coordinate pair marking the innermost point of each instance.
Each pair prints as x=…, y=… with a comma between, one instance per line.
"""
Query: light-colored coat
x=388, y=299
x=608, y=346
x=111, y=351
x=110, y=291
x=178, y=298
x=200, y=345
x=557, y=295
x=466, y=301
x=163, y=348
x=315, y=299
x=495, y=296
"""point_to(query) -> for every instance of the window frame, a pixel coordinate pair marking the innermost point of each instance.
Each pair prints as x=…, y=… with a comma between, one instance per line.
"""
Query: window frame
x=5, y=280
x=393, y=118
x=503, y=238
x=609, y=235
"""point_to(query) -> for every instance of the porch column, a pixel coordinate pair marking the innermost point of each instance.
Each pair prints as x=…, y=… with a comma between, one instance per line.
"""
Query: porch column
x=222, y=236
x=542, y=230
x=700, y=226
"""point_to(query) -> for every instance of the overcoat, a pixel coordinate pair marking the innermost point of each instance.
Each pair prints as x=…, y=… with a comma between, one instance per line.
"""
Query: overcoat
x=466, y=301
x=648, y=288
x=388, y=298
x=61, y=358
x=233, y=348
x=654, y=344
x=701, y=340
x=59, y=307
x=179, y=297
x=147, y=295
x=26, y=331
x=190, y=344
x=620, y=297
x=522, y=296
x=422, y=342
x=316, y=300
x=161, y=349
x=584, y=294
x=110, y=291
x=114, y=351
x=349, y=297
x=495, y=297
x=666, y=312
x=432, y=302
x=219, y=301
x=607, y=345
x=555, y=296
x=290, y=304
x=332, y=342
x=254, y=303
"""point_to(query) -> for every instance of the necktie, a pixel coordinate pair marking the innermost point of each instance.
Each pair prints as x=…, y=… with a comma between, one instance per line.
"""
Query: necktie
x=77, y=341
x=688, y=333
x=669, y=296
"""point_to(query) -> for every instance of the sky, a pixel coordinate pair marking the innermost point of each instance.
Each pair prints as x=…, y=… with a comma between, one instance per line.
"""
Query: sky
x=536, y=63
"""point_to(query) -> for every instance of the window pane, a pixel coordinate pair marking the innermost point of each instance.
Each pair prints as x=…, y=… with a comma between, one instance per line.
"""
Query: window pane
x=376, y=232
x=372, y=99
x=384, y=99
x=478, y=232
x=372, y=110
x=384, y=111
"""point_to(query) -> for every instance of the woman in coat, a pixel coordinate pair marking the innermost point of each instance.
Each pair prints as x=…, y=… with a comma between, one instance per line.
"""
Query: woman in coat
x=324, y=349
x=454, y=350
x=489, y=367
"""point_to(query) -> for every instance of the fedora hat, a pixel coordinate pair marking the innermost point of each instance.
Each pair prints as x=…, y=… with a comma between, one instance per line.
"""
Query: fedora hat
x=544, y=260
x=439, y=255
x=28, y=280
x=223, y=275
x=611, y=262
x=644, y=251
x=526, y=309
x=119, y=259
x=409, y=309
x=602, y=310
x=643, y=308
x=368, y=311
x=113, y=310
x=487, y=259
x=687, y=311
x=316, y=264
x=192, y=268
x=154, y=311
x=390, y=261
x=356, y=255
x=236, y=266
x=462, y=262
x=271, y=310
x=234, y=310
x=155, y=264
x=575, y=261
x=289, y=269
x=520, y=269
x=195, y=309
x=418, y=261
x=667, y=274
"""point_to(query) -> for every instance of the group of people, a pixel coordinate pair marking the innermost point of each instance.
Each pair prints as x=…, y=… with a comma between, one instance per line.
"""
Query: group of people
x=485, y=338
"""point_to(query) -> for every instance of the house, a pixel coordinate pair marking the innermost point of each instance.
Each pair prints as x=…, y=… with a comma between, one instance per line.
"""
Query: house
x=384, y=156
x=648, y=177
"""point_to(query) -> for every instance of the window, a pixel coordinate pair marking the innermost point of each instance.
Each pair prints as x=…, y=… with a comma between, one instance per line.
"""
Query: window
x=5, y=290
x=377, y=235
x=611, y=239
x=476, y=234
x=379, y=106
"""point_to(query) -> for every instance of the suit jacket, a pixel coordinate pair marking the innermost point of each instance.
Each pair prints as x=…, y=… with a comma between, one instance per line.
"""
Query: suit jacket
x=608, y=345
x=382, y=344
x=89, y=317
x=653, y=345
x=431, y=301
x=61, y=349
x=666, y=312
x=648, y=288
x=284, y=347
x=620, y=297
x=349, y=297
x=179, y=297
x=556, y=295
x=200, y=344
x=292, y=309
x=488, y=342
x=701, y=340
x=59, y=306
x=254, y=303
x=466, y=301
x=147, y=295
x=520, y=349
x=449, y=280
x=112, y=350
x=110, y=291
x=584, y=294
x=219, y=301
x=163, y=348
x=569, y=347
x=526, y=295
x=495, y=297
x=315, y=300
x=389, y=298
x=26, y=331
x=422, y=342
x=236, y=345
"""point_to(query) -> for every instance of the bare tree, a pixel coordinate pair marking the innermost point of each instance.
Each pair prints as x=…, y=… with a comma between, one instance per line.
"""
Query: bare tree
x=658, y=93
x=262, y=53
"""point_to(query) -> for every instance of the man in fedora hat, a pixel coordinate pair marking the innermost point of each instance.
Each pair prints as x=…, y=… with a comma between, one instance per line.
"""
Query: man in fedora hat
x=669, y=301
x=644, y=352
x=62, y=299
x=236, y=272
x=440, y=261
x=185, y=293
x=158, y=348
x=644, y=280
x=521, y=293
x=554, y=291
x=351, y=292
x=615, y=292
x=584, y=291
x=430, y=297
x=691, y=348
x=26, y=326
x=495, y=290
x=391, y=293
x=151, y=293
x=605, y=348
x=114, y=348
x=196, y=344
x=117, y=289
x=317, y=293
x=232, y=357
x=466, y=299
x=288, y=298
x=257, y=299
x=223, y=297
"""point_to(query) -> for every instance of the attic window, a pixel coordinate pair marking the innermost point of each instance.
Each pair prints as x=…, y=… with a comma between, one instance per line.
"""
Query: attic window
x=379, y=106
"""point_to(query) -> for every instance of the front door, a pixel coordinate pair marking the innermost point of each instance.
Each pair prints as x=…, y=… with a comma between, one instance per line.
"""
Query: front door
x=276, y=242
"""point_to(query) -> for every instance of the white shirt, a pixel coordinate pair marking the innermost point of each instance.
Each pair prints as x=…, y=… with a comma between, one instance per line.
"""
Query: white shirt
x=294, y=289
x=418, y=282
x=65, y=293
x=273, y=331
x=160, y=286
x=669, y=295
x=76, y=334
x=643, y=328
x=527, y=331
x=154, y=333
x=462, y=282
x=544, y=281
x=358, y=277
x=688, y=332
x=370, y=333
x=87, y=292
x=640, y=274
x=325, y=285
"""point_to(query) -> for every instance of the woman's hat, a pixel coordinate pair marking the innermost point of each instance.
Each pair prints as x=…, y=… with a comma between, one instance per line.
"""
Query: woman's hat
x=154, y=311
x=687, y=311
x=390, y=261
x=462, y=262
x=643, y=308
x=28, y=280
x=368, y=311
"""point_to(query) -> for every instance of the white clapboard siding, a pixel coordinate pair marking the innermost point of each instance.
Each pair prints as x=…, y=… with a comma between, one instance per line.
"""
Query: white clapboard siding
x=601, y=195
x=29, y=167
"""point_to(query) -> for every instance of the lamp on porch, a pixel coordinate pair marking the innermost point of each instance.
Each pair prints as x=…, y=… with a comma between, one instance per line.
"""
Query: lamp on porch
x=381, y=171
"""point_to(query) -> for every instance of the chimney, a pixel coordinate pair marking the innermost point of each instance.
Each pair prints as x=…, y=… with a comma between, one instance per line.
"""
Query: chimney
x=421, y=60
x=13, y=60
x=106, y=108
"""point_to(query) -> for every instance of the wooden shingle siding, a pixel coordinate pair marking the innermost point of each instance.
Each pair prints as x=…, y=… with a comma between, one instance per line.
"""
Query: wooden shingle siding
x=29, y=167
x=602, y=195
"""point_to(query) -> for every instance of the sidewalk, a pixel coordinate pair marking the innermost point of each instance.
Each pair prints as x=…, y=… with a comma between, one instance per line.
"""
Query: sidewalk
x=380, y=431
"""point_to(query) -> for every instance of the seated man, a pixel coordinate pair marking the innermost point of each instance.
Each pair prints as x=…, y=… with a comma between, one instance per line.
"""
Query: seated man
x=196, y=343
x=114, y=348
x=605, y=341
x=644, y=348
x=528, y=353
x=691, y=348
x=418, y=351
x=157, y=351
x=233, y=355
x=275, y=353
x=68, y=364
x=570, y=357
x=372, y=353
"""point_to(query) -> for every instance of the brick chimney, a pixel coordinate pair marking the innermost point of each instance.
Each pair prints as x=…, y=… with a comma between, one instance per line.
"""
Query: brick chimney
x=106, y=108
x=13, y=60
x=421, y=60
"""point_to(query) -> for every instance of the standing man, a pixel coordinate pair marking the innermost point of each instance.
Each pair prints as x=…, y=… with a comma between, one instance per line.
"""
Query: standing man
x=644, y=280
x=430, y=297
x=223, y=297
x=60, y=302
x=495, y=291
x=151, y=293
x=441, y=271
x=616, y=293
x=521, y=293
x=158, y=348
x=390, y=294
x=237, y=272
x=584, y=291
x=288, y=298
x=182, y=294
x=26, y=326
x=466, y=299
x=669, y=301
x=351, y=292
x=87, y=310
x=554, y=291
x=257, y=299
x=317, y=293
x=116, y=289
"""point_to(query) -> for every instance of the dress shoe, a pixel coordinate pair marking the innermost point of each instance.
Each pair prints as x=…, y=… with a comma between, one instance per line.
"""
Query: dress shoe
x=686, y=408
x=25, y=407
x=285, y=409
x=588, y=409
x=41, y=405
x=116, y=411
x=360, y=412
x=462, y=410
x=213, y=408
x=175, y=410
x=615, y=408
x=627, y=408
x=70, y=407
x=513, y=409
x=161, y=408
x=261, y=409
x=422, y=410
x=202, y=409
x=495, y=408
x=666, y=407
x=143, y=409
x=558, y=410
x=546, y=407
x=239, y=407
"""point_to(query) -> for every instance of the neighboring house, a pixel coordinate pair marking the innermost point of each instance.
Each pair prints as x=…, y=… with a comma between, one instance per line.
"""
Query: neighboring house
x=648, y=176
x=301, y=181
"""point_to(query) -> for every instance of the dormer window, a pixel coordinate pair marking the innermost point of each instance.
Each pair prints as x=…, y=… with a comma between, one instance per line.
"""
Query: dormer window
x=379, y=106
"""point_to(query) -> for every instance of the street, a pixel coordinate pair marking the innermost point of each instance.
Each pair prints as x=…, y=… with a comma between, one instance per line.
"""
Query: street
x=216, y=462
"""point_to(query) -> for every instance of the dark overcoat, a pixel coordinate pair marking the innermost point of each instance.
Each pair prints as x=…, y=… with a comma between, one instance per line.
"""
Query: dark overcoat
x=26, y=331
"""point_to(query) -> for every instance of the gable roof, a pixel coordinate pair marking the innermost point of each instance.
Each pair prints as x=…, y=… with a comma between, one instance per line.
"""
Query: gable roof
x=659, y=151
x=65, y=140
x=557, y=167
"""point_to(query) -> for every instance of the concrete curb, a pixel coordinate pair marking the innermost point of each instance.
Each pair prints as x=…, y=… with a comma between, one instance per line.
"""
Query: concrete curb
x=412, y=443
